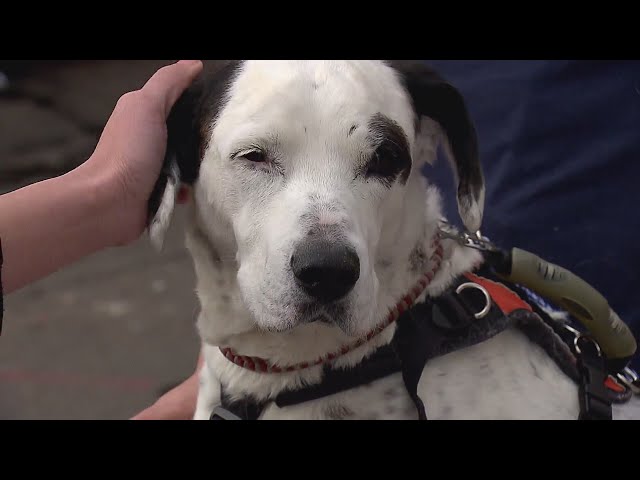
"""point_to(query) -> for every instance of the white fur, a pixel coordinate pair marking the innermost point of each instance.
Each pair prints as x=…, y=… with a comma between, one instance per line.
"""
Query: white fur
x=162, y=218
x=246, y=221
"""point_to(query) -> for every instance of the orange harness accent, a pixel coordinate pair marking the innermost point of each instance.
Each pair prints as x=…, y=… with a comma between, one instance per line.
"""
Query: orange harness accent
x=507, y=300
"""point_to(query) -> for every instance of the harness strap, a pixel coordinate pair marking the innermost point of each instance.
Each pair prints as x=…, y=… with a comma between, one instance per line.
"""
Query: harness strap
x=440, y=326
x=382, y=363
x=533, y=321
x=437, y=327
x=427, y=330
x=595, y=403
x=543, y=335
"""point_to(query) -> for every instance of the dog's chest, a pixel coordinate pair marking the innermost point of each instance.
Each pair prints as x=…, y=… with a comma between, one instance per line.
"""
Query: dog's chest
x=506, y=377
x=384, y=399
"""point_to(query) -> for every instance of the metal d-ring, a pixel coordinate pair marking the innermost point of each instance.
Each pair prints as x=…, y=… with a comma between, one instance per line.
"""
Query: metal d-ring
x=576, y=332
x=482, y=313
x=586, y=337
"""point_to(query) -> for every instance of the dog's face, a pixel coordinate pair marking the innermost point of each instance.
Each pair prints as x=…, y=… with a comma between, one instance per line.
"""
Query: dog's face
x=303, y=168
x=305, y=161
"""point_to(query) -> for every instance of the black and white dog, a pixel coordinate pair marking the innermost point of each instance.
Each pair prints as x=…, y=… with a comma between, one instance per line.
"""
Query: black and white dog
x=310, y=221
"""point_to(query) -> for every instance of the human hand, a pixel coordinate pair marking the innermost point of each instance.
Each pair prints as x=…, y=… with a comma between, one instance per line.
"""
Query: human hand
x=177, y=404
x=129, y=156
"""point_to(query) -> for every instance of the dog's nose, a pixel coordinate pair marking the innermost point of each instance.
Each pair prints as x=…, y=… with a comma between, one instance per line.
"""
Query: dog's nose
x=325, y=270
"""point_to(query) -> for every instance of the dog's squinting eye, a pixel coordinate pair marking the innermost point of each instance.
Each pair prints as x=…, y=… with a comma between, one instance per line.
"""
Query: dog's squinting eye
x=381, y=164
x=256, y=156
x=391, y=157
x=387, y=162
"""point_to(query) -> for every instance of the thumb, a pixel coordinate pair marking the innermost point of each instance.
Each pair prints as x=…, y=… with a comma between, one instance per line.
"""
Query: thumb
x=168, y=83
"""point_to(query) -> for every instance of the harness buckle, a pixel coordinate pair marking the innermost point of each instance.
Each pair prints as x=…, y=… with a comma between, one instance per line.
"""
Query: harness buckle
x=466, y=239
x=629, y=378
x=595, y=402
x=221, y=413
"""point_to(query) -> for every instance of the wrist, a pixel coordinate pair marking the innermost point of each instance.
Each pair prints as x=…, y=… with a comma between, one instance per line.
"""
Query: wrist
x=69, y=214
x=118, y=220
x=97, y=190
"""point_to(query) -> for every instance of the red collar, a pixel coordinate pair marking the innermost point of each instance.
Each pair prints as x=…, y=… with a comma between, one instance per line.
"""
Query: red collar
x=261, y=365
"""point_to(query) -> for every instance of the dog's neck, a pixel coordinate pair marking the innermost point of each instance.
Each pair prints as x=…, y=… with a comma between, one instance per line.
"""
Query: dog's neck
x=224, y=320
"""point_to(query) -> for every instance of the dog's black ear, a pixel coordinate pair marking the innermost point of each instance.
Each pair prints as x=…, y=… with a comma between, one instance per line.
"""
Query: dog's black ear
x=181, y=164
x=439, y=101
x=188, y=127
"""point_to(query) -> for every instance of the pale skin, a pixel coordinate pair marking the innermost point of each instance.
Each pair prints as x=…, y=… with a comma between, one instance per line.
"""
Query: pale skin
x=177, y=404
x=101, y=204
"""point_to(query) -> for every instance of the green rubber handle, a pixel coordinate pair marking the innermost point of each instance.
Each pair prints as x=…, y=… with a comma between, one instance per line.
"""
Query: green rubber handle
x=577, y=297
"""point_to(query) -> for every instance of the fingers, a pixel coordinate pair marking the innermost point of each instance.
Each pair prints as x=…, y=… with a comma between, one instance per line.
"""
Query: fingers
x=177, y=404
x=168, y=83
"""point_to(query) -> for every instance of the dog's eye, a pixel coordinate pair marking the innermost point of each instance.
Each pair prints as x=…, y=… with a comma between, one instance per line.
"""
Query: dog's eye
x=256, y=156
x=381, y=164
x=388, y=162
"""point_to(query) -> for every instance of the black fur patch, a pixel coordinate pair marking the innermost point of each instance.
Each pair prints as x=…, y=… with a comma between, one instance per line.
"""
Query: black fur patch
x=189, y=125
x=195, y=113
x=433, y=97
x=391, y=157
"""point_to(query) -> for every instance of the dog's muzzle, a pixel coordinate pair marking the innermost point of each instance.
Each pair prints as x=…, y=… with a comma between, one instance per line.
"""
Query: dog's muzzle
x=326, y=270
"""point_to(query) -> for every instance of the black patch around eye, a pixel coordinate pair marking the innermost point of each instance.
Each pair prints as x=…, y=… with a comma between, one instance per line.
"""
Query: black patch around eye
x=391, y=157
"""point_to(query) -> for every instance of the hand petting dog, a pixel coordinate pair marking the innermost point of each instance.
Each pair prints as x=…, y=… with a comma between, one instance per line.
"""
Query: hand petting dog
x=102, y=203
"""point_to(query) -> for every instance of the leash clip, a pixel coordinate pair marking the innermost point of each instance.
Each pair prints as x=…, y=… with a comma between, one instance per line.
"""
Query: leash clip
x=466, y=239
x=630, y=379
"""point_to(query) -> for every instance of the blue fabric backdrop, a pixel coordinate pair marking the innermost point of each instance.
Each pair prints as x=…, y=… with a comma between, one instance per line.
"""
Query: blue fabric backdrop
x=560, y=146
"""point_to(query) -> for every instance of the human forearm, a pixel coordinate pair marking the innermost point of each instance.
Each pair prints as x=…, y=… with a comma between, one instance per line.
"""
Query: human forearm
x=103, y=202
x=50, y=224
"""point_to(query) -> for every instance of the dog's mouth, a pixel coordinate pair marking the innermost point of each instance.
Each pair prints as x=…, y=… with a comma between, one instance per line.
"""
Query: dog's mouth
x=335, y=315
x=330, y=314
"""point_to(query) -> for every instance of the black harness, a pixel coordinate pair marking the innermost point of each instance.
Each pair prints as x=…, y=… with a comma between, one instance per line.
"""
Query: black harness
x=433, y=328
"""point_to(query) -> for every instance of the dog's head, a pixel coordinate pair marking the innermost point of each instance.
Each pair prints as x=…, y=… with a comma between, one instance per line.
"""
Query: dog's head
x=304, y=170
